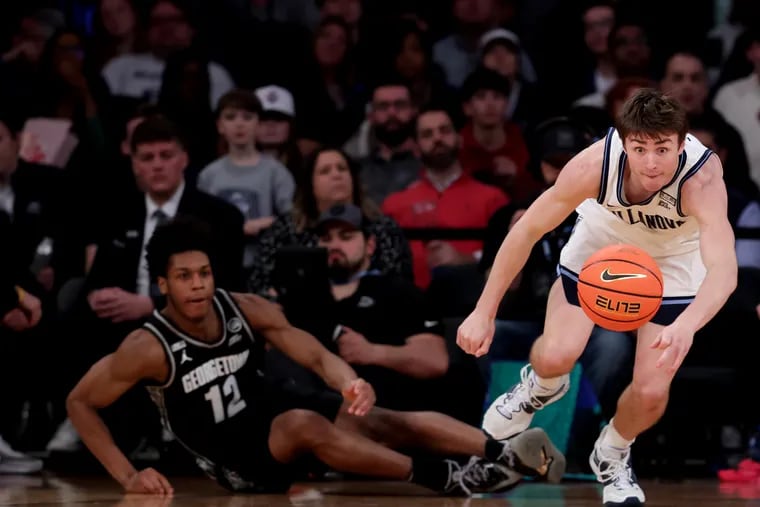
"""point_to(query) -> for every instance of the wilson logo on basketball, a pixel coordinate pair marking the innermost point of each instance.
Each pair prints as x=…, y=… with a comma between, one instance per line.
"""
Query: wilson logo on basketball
x=606, y=276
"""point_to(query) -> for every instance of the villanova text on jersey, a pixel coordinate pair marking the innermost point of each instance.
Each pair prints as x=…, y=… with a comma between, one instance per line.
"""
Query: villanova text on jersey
x=648, y=220
x=657, y=224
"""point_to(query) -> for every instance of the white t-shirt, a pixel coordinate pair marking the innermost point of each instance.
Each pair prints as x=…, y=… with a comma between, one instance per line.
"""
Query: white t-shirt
x=139, y=75
x=739, y=103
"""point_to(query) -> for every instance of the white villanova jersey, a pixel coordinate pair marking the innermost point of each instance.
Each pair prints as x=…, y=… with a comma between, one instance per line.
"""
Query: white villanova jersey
x=658, y=225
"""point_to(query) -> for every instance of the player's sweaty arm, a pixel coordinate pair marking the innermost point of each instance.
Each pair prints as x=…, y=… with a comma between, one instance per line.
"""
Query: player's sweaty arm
x=577, y=181
x=139, y=357
x=295, y=343
x=704, y=197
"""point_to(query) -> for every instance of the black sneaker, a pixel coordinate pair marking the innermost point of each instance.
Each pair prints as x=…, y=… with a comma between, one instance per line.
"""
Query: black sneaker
x=531, y=453
x=479, y=476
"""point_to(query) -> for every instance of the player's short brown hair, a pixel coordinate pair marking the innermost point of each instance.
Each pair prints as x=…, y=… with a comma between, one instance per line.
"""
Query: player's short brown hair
x=652, y=114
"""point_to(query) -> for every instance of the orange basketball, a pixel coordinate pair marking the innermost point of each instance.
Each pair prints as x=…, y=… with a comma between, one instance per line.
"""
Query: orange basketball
x=620, y=287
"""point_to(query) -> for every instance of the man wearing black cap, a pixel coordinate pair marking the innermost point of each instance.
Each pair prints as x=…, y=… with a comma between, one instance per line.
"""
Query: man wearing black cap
x=608, y=357
x=400, y=356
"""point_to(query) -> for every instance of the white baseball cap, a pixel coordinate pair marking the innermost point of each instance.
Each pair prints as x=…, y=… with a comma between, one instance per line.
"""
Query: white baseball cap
x=276, y=99
x=499, y=34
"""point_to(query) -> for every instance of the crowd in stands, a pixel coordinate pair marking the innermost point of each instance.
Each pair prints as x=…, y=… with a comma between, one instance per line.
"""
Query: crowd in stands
x=426, y=127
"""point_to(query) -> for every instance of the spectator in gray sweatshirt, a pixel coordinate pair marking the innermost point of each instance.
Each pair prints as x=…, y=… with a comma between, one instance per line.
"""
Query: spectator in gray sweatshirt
x=259, y=185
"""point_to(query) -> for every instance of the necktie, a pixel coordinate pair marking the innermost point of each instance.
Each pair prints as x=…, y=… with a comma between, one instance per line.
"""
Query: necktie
x=161, y=218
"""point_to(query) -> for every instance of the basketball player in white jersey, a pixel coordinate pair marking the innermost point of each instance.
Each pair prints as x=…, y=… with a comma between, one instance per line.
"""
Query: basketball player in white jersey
x=647, y=183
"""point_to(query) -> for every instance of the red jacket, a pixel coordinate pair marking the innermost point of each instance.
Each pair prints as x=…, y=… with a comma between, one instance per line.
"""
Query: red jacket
x=477, y=160
x=465, y=203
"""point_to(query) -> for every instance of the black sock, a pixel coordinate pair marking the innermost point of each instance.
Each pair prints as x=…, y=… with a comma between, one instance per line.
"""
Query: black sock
x=430, y=473
x=494, y=448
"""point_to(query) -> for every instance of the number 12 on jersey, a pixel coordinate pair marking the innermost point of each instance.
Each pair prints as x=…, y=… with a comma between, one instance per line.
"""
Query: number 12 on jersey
x=232, y=392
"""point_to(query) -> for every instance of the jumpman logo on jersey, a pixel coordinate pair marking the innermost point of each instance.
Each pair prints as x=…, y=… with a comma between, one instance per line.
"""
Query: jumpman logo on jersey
x=185, y=358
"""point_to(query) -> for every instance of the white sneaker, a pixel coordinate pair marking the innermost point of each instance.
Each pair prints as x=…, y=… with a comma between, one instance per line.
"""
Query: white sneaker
x=8, y=451
x=620, y=484
x=17, y=463
x=66, y=438
x=512, y=412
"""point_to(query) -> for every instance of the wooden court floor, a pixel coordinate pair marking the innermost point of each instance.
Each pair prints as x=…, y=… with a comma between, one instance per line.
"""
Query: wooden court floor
x=199, y=492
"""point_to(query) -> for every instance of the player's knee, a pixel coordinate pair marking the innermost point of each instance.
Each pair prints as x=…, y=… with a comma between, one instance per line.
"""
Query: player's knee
x=306, y=426
x=553, y=363
x=651, y=395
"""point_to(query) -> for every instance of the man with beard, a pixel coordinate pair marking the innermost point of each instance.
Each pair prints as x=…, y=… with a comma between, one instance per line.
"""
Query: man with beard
x=400, y=357
x=393, y=163
x=444, y=196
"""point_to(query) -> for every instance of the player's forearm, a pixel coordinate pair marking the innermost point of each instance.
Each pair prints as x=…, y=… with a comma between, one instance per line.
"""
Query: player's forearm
x=98, y=440
x=718, y=285
x=334, y=371
x=509, y=261
x=412, y=360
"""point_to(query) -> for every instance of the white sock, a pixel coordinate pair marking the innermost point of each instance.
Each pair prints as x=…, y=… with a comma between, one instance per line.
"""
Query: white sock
x=546, y=385
x=614, y=441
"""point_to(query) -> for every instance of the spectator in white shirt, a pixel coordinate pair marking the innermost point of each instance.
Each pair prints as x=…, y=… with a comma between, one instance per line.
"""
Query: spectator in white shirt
x=739, y=102
x=139, y=75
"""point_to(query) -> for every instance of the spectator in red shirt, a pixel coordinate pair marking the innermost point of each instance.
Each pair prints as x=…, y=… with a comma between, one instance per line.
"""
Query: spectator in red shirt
x=493, y=149
x=444, y=196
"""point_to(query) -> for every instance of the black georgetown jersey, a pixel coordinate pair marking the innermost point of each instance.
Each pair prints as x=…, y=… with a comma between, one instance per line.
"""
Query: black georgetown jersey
x=209, y=399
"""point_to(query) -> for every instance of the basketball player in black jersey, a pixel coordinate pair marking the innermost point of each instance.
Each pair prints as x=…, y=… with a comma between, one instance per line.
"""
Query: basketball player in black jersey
x=201, y=357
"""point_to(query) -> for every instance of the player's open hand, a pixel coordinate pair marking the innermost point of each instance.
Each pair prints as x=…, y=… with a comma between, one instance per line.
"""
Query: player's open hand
x=361, y=395
x=475, y=334
x=675, y=340
x=148, y=481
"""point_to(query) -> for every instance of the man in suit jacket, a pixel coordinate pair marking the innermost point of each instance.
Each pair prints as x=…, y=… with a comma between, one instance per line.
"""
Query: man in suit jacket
x=117, y=295
x=117, y=286
x=31, y=197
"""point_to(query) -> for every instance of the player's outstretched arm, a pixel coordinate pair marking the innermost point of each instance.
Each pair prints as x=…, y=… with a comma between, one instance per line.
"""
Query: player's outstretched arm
x=140, y=357
x=704, y=197
x=306, y=350
x=578, y=181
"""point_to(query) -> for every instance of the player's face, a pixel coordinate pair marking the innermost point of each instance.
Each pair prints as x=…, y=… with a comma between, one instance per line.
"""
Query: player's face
x=653, y=161
x=189, y=284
